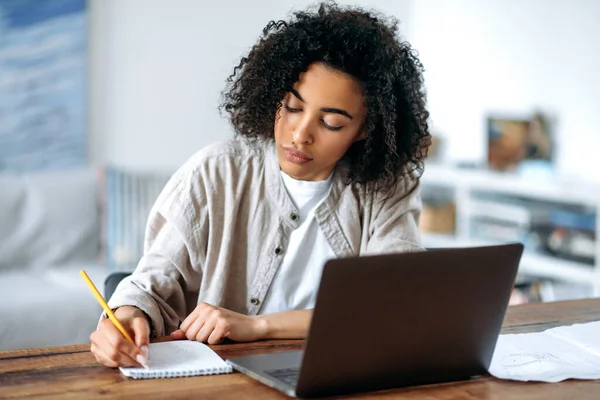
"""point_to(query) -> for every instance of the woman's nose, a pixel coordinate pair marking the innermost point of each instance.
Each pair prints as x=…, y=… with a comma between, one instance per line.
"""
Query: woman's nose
x=303, y=132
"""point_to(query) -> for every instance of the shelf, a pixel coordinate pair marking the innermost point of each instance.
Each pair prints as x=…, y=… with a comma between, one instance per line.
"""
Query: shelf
x=553, y=268
x=512, y=184
x=531, y=264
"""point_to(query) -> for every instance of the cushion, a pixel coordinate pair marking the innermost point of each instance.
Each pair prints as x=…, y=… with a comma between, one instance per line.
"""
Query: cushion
x=55, y=306
x=48, y=218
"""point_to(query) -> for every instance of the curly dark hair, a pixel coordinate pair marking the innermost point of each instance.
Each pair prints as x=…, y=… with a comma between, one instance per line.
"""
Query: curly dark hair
x=363, y=44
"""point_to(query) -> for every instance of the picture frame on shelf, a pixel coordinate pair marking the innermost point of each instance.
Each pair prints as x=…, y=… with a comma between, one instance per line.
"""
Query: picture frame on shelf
x=511, y=141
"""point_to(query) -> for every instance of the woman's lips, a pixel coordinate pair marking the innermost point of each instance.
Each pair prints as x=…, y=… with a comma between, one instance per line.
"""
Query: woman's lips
x=295, y=156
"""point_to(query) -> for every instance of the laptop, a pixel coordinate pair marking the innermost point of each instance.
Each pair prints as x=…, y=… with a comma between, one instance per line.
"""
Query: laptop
x=395, y=320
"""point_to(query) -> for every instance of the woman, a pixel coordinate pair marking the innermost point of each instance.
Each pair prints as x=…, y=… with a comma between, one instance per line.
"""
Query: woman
x=331, y=129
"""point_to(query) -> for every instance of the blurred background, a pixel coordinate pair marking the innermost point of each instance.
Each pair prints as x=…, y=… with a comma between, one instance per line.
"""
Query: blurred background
x=102, y=100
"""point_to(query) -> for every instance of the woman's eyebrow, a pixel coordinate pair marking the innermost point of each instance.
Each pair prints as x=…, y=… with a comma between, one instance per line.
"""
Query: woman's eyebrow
x=325, y=109
x=336, y=111
x=295, y=93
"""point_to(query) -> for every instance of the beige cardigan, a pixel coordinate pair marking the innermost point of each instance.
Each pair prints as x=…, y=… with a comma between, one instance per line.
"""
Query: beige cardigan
x=218, y=232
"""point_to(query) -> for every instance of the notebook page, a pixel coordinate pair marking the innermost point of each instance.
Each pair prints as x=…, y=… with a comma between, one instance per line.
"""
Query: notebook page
x=179, y=358
x=586, y=336
x=547, y=356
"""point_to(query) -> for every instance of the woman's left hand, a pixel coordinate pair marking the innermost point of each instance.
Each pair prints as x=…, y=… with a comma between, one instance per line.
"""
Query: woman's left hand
x=211, y=324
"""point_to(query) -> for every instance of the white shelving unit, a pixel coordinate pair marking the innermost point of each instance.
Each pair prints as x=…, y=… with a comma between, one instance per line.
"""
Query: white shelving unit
x=465, y=182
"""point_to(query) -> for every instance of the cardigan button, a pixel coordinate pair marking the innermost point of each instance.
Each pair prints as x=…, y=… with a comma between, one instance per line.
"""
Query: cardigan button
x=278, y=250
x=294, y=216
x=254, y=301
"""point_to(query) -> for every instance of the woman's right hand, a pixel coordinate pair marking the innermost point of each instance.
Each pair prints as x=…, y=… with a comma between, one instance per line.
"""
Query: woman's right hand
x=112, y=349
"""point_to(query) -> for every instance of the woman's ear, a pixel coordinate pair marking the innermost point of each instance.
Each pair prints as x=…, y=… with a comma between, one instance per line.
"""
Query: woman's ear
x=361, y=136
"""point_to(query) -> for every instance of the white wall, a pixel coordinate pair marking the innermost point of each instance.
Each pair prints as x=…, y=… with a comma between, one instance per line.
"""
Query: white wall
x=512, y=56
x=157, y=68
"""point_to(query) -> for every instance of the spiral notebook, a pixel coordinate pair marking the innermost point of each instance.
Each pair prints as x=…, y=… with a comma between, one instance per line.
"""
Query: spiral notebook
x=177, y=359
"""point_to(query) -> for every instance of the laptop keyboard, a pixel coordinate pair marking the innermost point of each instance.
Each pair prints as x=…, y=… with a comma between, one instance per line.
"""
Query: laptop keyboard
x=287, y=375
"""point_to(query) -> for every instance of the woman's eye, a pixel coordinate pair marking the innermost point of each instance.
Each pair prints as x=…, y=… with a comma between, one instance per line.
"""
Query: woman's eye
x=332, y=128
x=325, y=124
x=291, y=109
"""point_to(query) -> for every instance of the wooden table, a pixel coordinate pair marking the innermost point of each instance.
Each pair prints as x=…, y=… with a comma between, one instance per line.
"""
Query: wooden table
x=71, y=372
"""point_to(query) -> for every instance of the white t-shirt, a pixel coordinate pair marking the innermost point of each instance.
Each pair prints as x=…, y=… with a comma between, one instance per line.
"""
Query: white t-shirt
x=297, y=280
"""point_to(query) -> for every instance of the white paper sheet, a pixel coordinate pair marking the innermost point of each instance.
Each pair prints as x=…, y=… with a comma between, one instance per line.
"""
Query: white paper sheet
x=550, y=356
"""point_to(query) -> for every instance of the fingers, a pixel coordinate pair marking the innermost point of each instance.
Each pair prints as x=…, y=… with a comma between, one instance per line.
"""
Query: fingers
x=193, y=323
x=100, y=354
x=178, y=334
x=206, y=323
x=193, y=330
x=190, y=319
x=220, y=332
x=199, y=312
x=207, y=328
x=141, y=331
x=201, y=323
x=112, y=359
x=112, y=349
x=119, y=343
x=108, y=354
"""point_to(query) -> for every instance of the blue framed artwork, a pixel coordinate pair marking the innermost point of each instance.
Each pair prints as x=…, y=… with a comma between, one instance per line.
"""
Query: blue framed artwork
x=42, y=84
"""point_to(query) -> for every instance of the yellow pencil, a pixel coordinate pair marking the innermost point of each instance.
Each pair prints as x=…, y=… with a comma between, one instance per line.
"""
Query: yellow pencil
x=106, y=308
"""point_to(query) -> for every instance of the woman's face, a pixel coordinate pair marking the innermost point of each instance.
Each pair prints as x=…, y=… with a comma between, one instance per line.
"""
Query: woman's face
x=318, y=121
